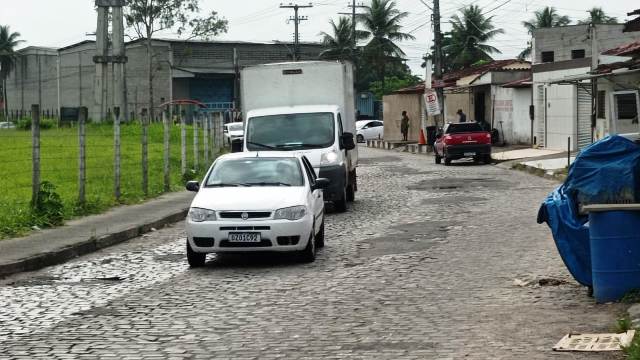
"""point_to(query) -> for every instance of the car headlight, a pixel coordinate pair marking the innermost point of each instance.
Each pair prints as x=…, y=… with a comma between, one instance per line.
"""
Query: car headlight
x=291, y=213
x=329, y=158
x=200, y=215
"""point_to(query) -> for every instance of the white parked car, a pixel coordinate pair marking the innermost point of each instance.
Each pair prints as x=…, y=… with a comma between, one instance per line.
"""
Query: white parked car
x=256, y=201
x=369, y=130
x=233, y=132
x=7, y=125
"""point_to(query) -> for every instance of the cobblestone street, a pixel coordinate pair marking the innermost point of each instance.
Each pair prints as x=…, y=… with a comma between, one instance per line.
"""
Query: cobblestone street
x=422, y=266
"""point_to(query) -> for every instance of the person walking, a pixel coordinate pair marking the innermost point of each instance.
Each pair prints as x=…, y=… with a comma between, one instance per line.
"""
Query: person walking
x=462, y=117
x=404, y=126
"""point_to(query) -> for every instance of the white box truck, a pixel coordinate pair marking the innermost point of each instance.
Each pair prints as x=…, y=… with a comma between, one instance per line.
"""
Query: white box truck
x=306, y=107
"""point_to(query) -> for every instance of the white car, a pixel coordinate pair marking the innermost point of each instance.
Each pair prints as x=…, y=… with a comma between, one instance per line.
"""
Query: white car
x=7, y=125
x=256, y=201
x=369, y=130
x=233, y=132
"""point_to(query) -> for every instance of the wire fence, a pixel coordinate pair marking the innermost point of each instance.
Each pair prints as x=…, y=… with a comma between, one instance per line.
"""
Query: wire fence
x=94, y=166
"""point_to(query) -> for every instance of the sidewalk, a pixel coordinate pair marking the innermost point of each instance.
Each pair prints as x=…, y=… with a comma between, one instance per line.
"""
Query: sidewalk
x=88, y=234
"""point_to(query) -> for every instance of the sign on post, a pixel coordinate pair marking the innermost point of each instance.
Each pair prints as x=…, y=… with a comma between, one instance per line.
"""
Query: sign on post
x=431, y=99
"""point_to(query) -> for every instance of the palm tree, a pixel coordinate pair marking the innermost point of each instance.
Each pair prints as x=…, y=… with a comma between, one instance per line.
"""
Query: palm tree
x=382, y=26
x=547, y=17
x=8, y=43
x=598, y=16
x=469, y=36
x=339, y=46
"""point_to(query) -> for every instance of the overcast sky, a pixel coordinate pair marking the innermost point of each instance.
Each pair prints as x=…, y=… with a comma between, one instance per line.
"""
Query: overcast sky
x=61, y=23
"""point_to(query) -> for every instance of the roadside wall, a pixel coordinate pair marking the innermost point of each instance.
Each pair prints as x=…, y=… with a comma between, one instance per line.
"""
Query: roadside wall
x=393, y=106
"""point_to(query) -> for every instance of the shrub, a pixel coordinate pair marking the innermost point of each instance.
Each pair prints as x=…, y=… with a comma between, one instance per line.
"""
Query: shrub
x=48, y=209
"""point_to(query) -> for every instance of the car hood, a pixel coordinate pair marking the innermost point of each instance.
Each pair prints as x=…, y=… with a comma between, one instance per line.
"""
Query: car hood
x=253, y=198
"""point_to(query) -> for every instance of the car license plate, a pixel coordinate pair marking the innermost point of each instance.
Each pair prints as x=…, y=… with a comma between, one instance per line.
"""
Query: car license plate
x=244, y=237
x=469, y=154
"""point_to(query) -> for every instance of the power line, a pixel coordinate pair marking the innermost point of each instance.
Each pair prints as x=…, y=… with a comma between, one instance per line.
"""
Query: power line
x=296, y=20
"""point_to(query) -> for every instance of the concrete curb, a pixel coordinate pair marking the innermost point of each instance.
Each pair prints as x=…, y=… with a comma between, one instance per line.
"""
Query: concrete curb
x=92, y=244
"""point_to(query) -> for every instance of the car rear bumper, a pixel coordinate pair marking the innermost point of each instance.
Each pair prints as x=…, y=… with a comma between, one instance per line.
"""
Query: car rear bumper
x=275, y=235
x=463, y=151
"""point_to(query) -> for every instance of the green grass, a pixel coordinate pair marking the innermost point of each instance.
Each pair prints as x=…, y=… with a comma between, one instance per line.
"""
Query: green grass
x=59, y=165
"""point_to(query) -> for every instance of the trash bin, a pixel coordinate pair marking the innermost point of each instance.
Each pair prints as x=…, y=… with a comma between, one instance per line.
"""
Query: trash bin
x=615, y=250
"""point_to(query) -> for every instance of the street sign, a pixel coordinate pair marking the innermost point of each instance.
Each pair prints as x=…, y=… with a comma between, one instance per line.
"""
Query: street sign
x=431, y=99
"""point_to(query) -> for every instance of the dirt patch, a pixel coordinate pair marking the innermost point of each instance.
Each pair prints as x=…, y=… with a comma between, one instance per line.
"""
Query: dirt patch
x=407, y=238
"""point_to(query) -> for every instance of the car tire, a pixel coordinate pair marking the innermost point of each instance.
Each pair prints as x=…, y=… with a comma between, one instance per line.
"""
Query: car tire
x=487, y=159
x=447, y=161
x=438, y=158
x=341, y=204
x=351, y=193
x=308, y=254
x=320, y=236
x=360, y=138
x=195, y=259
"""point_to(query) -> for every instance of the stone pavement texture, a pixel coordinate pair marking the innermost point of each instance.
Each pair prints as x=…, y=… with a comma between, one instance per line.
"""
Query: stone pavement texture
x=421, y=267
x=87, y=234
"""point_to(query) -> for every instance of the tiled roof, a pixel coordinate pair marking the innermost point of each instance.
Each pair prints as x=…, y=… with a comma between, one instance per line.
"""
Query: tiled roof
x=625, y=49
x=522, y=83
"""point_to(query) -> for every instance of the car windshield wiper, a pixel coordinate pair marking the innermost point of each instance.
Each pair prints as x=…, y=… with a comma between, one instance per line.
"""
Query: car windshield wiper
x=265, y=183
x=299, y=146
x=261, y=145
x=225, y=185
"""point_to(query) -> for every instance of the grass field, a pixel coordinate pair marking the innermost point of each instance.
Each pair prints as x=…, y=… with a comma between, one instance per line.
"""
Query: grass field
x=59, y=165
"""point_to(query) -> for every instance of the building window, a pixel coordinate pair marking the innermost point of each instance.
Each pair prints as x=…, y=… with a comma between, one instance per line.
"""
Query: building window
x=601, y=105
x=626, y=112
x=577, y=54
x=547, y=56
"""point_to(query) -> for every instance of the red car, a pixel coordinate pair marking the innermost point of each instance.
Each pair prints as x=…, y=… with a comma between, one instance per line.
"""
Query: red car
x=463, y=140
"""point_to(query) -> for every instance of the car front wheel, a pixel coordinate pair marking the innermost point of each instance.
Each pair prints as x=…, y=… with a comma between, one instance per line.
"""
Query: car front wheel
x=320, y=236
x=195, y=259
x=360, y=138
x=308, y=255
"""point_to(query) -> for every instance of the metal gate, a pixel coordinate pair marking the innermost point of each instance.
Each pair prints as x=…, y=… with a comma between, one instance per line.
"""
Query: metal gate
x=542, y=126
x=584, y=117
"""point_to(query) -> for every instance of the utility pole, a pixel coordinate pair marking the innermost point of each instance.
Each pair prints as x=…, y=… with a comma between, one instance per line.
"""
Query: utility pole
x=353, y=14
x=296, y=20
x=437, y=71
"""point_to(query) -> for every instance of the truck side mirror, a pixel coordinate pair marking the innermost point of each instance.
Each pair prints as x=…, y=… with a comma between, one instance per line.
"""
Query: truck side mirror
x=347, y=141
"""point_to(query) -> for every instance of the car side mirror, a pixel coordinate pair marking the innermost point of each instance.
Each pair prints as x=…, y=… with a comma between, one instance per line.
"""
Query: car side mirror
x=322, y=183
x=347, y=141
x=193, y=186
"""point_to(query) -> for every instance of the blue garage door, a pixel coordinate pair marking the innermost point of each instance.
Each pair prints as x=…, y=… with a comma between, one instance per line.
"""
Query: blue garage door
x=211, y=90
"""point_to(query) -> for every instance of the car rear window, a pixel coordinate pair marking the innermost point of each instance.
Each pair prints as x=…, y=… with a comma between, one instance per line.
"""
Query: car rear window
x=463, y=127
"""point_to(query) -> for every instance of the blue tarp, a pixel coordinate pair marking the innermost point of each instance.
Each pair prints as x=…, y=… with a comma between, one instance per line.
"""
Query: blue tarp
x=604, y=173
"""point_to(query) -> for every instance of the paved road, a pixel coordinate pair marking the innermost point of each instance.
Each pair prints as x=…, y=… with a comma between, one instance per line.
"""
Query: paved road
x=421, y=267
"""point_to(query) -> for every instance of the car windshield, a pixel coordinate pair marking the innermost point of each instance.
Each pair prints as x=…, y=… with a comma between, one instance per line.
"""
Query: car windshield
x=291, y=131
x=463, y=128
x=235, y=127
x=255, y=172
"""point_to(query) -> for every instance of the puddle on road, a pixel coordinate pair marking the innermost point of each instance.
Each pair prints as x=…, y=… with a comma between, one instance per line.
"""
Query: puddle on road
x=452, y=200
x=403, y=170
x=407, y=238
x=375, y=160
x=459, y=184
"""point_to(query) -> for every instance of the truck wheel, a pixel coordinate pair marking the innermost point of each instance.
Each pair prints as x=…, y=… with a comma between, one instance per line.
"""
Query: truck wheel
x=447, y=161
x=195, y=259
x=341, y=204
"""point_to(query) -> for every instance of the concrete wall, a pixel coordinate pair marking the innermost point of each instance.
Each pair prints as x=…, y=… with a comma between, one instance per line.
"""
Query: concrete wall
x=33, y=81
x=512, y=108
x=461, y=99
x=393, y=106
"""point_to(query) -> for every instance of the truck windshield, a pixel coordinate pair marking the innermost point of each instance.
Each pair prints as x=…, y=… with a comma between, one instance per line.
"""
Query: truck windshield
x=291, y=131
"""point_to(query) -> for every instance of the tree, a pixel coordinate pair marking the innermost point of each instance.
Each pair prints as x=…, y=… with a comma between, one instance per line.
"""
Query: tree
x=148, y=17
x=382, y=26
x=598, y=16
x=339, y=46
x=393, y=83
x=469, y=36
x=8, y=42
x=547, y=17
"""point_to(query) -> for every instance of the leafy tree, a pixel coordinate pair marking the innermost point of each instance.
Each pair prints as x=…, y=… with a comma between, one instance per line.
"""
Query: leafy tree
x=382, y=27
x=393, y=83
x=148, y=17
x=598, y=16
x=8, y=42
x=469, y=37
x=547, y=17
x=339, y=45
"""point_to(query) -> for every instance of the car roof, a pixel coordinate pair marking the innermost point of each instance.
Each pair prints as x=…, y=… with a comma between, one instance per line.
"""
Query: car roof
x=261, y=154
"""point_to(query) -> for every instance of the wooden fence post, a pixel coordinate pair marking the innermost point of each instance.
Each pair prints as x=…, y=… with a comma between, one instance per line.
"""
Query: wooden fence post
x=166, y=152
x=35, y=154
x=183, y=145
x=145, y=163
x=82, y=158
x=116, y=153
x=205, y=138
x=195, y=142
